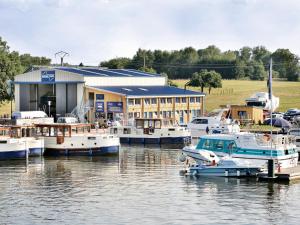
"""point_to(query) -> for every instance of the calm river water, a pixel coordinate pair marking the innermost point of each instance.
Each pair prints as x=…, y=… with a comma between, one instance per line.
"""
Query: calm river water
x=141, y=186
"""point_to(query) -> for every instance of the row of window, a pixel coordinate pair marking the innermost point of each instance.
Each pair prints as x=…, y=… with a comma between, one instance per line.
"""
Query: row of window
x=165, y=114
x=153, y=101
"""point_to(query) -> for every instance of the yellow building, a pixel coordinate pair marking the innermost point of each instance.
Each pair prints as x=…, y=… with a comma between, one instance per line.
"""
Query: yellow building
x=247, y=114
x=92, y=93
x=144, y=102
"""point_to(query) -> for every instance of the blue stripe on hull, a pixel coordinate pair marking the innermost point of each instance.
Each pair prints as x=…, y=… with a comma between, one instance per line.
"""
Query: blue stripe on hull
x=136, y=140
x=109, y=150
x=175, y=140
x=152, y=141
x=124, y=140
x=36, y=152
x=20, y=154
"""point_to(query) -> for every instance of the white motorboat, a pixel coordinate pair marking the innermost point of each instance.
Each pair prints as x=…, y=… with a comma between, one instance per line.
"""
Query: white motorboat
x=261, y=99
x=152, y=132
x=27, y=134
x=215, y=122
x=76, y=139
x=11, y=148
x=255, y=148
x=209, y=164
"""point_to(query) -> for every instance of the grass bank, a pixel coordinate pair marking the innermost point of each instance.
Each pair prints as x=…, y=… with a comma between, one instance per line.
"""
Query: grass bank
x=236, y=91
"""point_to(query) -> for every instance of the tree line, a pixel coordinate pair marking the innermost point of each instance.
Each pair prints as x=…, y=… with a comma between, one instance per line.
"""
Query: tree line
x=13, y=63
x=245, y=63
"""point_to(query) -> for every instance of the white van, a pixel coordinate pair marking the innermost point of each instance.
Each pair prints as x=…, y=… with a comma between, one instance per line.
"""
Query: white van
x=29, y=115
x=67, y=120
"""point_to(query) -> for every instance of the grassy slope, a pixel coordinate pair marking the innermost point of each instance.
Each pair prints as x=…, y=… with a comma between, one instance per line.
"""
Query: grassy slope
x=236, y=91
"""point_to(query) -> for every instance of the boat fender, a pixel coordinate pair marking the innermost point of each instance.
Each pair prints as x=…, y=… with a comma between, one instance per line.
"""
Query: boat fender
x=182, y=158
x=213, y=163
x=267, y=136
x=194, y=173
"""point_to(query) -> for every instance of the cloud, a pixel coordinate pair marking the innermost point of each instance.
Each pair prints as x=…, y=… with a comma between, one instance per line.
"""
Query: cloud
x=95, y=30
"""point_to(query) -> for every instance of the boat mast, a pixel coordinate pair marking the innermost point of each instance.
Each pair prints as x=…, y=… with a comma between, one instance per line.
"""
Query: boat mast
x=270, y=97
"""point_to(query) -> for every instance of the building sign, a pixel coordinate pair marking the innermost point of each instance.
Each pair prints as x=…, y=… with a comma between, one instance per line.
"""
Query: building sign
x=99, y=107
x=48, y=76
x=99, y=97
x=115, y=107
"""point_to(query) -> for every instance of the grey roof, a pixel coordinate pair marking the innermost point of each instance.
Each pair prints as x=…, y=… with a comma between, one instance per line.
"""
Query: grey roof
x=149, y=91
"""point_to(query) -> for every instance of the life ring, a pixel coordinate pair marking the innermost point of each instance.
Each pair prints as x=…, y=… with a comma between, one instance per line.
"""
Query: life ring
x=267, y=137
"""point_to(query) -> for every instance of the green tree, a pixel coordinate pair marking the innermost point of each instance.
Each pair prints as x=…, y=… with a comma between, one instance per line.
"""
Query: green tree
x=147, y=70
x=197, y=80
x=28, y=61
x=117, y=63
x=204, y=78
x=259, y=72
x=286, y=63
x=213, y=79
x=10, y=66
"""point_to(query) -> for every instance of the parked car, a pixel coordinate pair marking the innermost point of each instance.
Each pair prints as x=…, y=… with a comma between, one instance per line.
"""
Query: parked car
x=290, y=114
x=67, y=120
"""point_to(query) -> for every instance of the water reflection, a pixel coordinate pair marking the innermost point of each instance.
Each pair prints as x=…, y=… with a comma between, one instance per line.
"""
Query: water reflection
x=139, y=186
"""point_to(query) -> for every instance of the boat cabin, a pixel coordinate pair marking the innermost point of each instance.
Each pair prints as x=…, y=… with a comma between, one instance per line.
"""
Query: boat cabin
x=60, y=131
x=147, y=125
x=226, y=146
x=63, y=129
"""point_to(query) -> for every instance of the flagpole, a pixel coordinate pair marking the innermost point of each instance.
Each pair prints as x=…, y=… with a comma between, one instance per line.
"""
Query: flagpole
x=271, y=97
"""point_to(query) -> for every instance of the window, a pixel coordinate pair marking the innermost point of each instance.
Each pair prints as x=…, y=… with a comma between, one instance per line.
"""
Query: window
x=131, y=102
x=137, y=101
x=177, y=100
x=242, y=114
x=164, y=114
x=145, y=114
x=150, y=115
x=91, y=99
x=200, y=121
x=183, y=100
x=163, y=101
x=198, y=112
x=99, y=97
x=169, y=100
x=198, y=99
x=136, y=115
x=153, y=101
x=231, y=146
x=193, y=112
x=219, y=144
x=130, y=115
x=207, y=144
x=147, y=101
x=192, y=99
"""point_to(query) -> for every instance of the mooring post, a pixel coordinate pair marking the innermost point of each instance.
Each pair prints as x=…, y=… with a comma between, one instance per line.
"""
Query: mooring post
x=271, y=165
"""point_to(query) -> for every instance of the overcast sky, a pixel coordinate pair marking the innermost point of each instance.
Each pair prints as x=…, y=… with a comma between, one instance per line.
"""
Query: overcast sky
x=96, y=30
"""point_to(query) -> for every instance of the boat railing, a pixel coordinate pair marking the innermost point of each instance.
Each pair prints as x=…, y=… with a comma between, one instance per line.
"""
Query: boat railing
x=274, y=141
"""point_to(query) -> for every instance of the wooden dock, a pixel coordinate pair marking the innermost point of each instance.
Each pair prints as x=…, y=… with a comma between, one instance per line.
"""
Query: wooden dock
x=284, y=175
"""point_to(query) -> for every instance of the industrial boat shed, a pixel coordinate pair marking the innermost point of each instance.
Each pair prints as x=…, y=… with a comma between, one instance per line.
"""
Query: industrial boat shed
x=109, y=93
